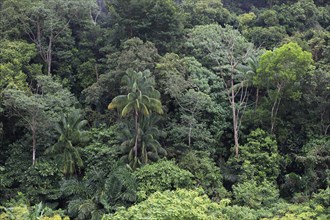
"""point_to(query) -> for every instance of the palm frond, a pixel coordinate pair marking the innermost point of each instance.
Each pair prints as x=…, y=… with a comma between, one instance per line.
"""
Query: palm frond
x=85, y=209
x=128, y=108
x=72, y=187
x=118, y=102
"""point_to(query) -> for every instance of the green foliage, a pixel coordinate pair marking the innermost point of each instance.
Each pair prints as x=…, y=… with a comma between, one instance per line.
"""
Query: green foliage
x=211, y=45
x=14, y=169
x=267, y=37
x=240, y=212
x=286, y=211
x=259, y=158
x=14, y=64
x=141, y=97
x=18, y=212
x=161, y=176
x=134, y=54
x=140, y=102
x=16, y=208
x=274, y=66
x=100, y=192
x=214, y=90
x=323, y=198
x=246, y=19
x=279, y=71
x=315, y=157
x=205, y=12
x=19, y=208
x=188, y=85
x=66, y=150
x=299, y=16
x=160, y=22
x=268, y=18
x=179, y=204
x=255, y=195
x=102, y=150
x=206, y=173
x=41, y=182
x=149, y=133
x=38, y=111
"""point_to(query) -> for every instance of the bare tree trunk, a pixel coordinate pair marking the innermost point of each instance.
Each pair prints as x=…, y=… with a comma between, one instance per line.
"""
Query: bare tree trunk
x=49, y=55
x=275, y=110
x=235, y=119
x=272, y=117
x=49, y=63
x=33, y=148
x=33, y=130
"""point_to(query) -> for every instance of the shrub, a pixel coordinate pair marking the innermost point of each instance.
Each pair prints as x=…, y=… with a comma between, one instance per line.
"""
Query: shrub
x=161, y=176
x=179, y=204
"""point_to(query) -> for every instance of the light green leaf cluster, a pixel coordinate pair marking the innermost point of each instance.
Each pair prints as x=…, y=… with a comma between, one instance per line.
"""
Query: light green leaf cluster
x=284, y=65
x=14, y=63
x=161, y=176
x=255, y=195
x=179, y=204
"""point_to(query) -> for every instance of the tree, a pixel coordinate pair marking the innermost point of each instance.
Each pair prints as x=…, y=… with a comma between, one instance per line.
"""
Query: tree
x=206, y=173
x=100, y=192
x=15, y=58
x=280, y=69
x=38, y=109
x=161, y=176
x=205, y=12
x=30, y=109
x=299, y=16
x=223, y=50
x=151, y=149
x=142, y=99
x=255, y=195
x=66, y=149
x=157, y=21
x=134, y=54
x=316, y=162
x=15, y=67
x=266, y=37
x=44, y=22
x=260, y=159
x=192, y=89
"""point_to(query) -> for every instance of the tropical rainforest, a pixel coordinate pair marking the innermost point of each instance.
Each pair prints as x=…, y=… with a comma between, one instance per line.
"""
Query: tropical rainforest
x=164, y=109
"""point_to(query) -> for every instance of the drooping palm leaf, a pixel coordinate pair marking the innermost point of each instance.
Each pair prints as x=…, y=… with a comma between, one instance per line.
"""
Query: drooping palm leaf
x=66, y=150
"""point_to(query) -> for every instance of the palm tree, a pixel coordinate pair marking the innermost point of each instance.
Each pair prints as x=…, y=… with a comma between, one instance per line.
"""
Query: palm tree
x=142, y=99
x=149, y=147
x=100, y=192
x=70, y=136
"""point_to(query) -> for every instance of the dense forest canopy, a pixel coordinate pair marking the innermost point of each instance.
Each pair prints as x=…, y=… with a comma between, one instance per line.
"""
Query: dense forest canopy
x=164, y=109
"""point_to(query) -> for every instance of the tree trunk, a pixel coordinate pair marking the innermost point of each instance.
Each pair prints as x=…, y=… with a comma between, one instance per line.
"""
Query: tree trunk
x=275, y=109
x=257, y=99
x=235, y=119
x=33, y=146
x=136, y=134
x=49, y=55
